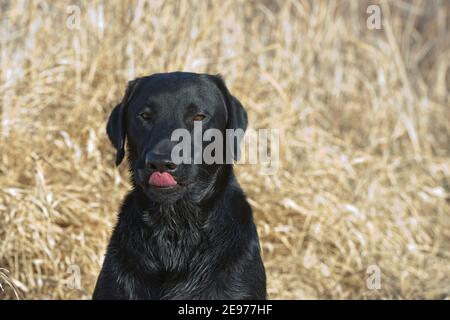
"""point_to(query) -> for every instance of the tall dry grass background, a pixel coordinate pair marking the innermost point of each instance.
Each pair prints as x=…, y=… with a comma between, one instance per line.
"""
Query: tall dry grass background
x=364, y=176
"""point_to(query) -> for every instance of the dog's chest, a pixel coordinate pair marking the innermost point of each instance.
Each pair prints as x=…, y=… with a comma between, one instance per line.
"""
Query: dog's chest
x=176, y=240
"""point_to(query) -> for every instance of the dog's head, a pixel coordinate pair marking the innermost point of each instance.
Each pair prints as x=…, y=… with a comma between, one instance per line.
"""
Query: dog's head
x=152, y=109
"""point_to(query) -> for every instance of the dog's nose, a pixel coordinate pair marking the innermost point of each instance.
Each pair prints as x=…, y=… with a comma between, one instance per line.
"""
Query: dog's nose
x=158, y=164
x=162, y=166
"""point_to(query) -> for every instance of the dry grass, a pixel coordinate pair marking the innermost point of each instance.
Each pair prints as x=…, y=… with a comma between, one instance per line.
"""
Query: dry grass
x=364, y=177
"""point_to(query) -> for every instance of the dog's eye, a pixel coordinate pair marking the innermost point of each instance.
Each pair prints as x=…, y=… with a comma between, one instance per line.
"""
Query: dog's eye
x=145, y=115
x=199, y=117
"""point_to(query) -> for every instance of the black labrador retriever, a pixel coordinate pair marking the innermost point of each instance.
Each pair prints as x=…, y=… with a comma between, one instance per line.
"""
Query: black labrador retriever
x=185, y=231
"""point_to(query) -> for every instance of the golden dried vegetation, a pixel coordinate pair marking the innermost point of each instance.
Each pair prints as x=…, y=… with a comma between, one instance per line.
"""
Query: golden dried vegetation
x=364, y=173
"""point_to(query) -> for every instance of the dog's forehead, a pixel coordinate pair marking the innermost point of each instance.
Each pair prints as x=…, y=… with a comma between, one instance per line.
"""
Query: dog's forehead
x=179, y=89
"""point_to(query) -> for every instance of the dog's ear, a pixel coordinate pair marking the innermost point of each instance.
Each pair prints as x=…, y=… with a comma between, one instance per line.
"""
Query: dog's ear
x=236, y=114
x=117, y=122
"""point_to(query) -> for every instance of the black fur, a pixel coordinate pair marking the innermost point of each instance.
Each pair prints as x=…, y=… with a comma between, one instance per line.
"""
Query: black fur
x=199, y=240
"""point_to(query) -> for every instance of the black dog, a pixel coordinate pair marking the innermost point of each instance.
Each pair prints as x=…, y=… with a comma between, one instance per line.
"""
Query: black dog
x=185, y=231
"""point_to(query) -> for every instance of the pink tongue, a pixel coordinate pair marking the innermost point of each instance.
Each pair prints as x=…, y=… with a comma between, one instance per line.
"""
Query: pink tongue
x=164, y=179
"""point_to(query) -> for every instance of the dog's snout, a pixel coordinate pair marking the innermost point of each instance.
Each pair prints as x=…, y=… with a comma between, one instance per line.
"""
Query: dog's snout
x=159, y=164
x=158, y=158
x=162, y=166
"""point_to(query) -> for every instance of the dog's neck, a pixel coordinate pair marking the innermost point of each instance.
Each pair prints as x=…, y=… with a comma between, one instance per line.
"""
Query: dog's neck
x=168, y=236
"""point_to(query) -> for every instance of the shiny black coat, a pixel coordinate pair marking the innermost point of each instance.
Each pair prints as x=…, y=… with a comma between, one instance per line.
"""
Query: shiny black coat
x=199, y=241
